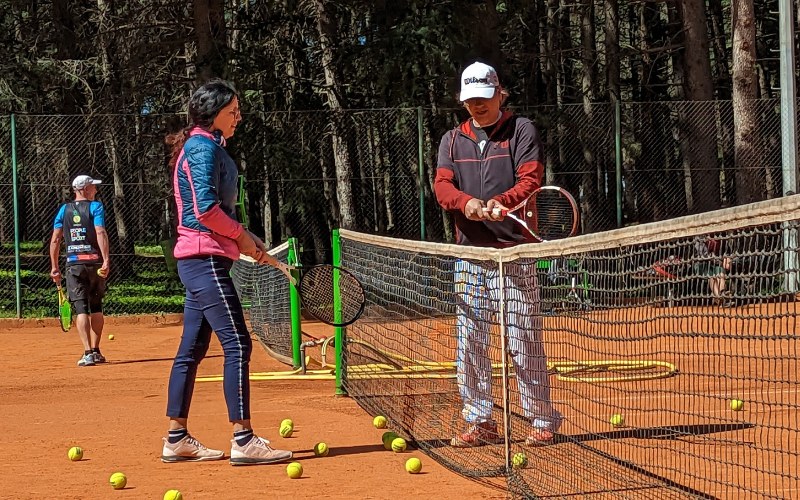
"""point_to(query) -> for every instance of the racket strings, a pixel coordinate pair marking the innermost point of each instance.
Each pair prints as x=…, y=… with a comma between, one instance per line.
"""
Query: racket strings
x=553, y=215
x=318, y=292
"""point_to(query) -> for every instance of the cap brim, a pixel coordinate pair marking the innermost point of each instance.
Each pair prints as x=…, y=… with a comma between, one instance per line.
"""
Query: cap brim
x=480, y=92
x=96, y=181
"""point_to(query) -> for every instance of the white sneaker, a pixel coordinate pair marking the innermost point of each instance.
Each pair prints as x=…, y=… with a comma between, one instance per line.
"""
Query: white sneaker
x=188, y=449
x=257, y=451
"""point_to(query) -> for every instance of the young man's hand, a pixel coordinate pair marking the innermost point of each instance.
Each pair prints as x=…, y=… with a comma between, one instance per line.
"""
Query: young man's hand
x=474, y=209
x=495, y=210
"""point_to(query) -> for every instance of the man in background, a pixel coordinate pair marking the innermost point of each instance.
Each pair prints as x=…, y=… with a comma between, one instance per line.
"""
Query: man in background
x=81, y=223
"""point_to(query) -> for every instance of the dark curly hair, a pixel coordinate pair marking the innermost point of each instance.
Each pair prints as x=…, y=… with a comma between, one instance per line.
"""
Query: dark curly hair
x=204, y=105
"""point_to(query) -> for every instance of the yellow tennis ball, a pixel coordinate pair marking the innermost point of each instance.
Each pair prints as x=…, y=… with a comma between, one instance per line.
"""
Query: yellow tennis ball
x=379, y=422
x=413, y=465
x=75, y=453
x=294, y=470
x=617, y=420
x=286, y=431
x=118, y=480
x=287, y=421
x=173, y=495
x=737, y=404
x=398, y=445
x=519, y=460
x=321, y=450
x=101, y=273
x=387, y=439
x=110, y=336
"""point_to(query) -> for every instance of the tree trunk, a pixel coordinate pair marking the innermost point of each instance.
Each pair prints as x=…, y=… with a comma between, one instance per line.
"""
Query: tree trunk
x=592, y=169
x=612, y=50
x=719, y=45
x=209, y=27
x=749, y=184
x=698, y=141
x=333, y=91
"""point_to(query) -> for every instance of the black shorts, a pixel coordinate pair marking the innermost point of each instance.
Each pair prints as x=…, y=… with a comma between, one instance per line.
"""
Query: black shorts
x=85, y=287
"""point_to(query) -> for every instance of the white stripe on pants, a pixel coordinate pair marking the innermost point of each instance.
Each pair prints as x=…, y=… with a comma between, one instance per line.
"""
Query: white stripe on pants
x=479, y=290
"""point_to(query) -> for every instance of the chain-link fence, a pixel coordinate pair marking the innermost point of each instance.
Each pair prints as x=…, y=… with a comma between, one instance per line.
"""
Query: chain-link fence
x=308, y=172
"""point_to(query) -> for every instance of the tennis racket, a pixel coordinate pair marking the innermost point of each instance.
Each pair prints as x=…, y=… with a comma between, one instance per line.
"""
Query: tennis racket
x=332, y=294
x=550, y=213
x=318, y=292
x=64, y=309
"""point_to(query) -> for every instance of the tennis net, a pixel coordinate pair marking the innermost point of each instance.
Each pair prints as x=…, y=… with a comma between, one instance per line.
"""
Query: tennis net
x=637, y=346
x=264, y=291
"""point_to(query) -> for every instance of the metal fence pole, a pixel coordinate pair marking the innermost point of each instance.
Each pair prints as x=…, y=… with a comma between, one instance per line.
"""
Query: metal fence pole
x=421, y=161
x=618, y=157
x=15, y=188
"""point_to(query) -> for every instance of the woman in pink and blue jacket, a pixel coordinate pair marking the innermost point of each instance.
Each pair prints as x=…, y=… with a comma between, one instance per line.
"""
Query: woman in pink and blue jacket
x=209, y=240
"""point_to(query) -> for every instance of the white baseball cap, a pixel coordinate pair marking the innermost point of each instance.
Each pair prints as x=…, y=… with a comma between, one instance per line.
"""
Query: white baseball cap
x=82, y=181
x=478, y=80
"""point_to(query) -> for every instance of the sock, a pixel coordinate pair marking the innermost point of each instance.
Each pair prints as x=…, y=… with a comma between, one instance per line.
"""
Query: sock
x=243, y=437
x=96, y=350
x=86, y=353
x=177, y=435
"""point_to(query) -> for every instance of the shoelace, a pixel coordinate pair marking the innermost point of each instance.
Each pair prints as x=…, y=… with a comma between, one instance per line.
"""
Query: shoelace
x=263, y=443
x=193, y=441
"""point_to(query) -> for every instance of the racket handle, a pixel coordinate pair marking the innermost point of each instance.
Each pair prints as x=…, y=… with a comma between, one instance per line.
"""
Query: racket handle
x=496, y=211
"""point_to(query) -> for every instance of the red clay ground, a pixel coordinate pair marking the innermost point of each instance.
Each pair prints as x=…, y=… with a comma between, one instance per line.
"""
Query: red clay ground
x=116, y=413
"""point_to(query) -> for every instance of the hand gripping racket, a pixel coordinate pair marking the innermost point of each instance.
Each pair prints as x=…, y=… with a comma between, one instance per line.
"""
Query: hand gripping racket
x=550, y=213
x=64, y=309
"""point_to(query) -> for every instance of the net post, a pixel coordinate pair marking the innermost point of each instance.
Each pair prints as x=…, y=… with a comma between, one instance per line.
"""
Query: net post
x=15, y=187
x=504, y=363
x=338, y=332
x=294, y=305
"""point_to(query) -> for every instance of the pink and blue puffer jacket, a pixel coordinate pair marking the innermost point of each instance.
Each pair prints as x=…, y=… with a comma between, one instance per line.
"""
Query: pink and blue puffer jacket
x=206, y=187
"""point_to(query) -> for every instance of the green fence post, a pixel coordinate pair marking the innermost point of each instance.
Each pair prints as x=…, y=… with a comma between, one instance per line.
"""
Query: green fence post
x=15, y=188
x=421, y=162
x=294, y=304
x=338, y=331
x=618, y=157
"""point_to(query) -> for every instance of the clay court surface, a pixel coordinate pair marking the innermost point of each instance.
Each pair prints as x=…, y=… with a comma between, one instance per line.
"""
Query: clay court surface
x=116, y=413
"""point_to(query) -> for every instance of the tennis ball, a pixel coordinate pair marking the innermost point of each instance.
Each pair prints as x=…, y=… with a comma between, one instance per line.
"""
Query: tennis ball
x=286, y=431
x=110, y=336
x=75, y=453
x=398, y=445
x=287, y=421
x=118, y=480
x=101, y=273
x=519, y=460
x=173, y=495
x=321, y=450
x=413, y=465
x=387, y=439
x=737, y=404
x=379, y=422
x=617, y=420
x=294, y=470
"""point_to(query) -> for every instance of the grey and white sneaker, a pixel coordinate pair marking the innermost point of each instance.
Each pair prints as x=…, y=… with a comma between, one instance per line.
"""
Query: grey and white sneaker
x=99, y=358
x=257, y=451
x=86, y=360
x=188, y=449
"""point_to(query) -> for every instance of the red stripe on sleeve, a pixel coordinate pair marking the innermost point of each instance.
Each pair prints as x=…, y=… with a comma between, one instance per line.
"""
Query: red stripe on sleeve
x=447, y=194
x=529, y=178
